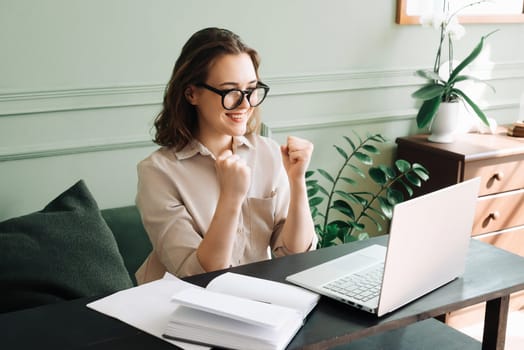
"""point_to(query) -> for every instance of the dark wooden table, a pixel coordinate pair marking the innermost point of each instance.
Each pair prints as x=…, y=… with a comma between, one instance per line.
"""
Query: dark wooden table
x=491, y=276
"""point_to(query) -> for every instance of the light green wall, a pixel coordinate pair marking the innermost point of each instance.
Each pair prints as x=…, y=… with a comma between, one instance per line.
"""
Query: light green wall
x=81, y=81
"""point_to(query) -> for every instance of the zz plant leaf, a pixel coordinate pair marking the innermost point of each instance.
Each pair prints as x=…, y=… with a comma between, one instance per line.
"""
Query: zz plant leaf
x=344, y=215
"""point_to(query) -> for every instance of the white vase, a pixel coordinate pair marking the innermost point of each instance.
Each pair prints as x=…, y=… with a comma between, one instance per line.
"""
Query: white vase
x=445, y=123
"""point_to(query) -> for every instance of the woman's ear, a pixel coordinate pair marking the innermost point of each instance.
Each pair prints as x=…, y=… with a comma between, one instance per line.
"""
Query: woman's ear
x=190, y=95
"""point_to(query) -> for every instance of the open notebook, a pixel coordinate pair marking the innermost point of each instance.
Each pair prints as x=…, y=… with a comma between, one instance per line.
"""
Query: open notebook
x=428, y=242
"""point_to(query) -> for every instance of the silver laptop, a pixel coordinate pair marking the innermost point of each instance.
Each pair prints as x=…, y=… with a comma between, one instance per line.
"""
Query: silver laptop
x=428, y=242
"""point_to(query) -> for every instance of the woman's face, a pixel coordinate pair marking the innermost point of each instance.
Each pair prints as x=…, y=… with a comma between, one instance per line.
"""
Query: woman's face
x=226, y=72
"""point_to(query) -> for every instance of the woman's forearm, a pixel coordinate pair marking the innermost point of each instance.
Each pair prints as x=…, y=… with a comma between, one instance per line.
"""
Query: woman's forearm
x=298, y=231
x=215, y=250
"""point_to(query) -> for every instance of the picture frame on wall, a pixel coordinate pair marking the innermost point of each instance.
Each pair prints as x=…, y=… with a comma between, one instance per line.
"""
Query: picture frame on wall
x=495, y=11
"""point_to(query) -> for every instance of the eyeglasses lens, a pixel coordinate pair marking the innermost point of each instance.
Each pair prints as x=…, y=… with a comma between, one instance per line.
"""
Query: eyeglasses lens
x=234, y=98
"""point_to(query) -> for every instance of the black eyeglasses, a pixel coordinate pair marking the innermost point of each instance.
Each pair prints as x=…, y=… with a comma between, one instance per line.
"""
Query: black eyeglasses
x=232, y=98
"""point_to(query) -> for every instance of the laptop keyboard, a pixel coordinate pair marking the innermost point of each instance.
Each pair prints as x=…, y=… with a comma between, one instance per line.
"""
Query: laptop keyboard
x=363, y=286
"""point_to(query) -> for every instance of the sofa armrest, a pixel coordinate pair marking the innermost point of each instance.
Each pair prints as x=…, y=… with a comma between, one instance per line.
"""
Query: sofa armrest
x=131, y=237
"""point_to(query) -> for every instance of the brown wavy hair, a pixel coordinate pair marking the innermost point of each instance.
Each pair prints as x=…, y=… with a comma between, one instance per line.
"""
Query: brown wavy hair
x=177, y=123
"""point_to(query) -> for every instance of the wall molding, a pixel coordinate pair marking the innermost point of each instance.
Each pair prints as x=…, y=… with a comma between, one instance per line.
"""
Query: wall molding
x=14, y=103
x=64, y=148
x=32, y=102
x=345, y=120
x=23, y=103
x=119, y=143
x=141, y=141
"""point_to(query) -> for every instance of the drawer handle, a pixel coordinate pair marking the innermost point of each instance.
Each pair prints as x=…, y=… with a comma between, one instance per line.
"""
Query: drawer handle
x=498, y=175
x=494, y=216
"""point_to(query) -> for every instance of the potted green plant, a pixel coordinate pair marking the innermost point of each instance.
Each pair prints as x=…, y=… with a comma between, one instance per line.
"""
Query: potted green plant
x=441, y=93
x=341, y=215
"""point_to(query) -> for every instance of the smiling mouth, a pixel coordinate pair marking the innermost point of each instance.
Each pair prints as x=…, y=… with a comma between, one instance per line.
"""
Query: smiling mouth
x=236, y=116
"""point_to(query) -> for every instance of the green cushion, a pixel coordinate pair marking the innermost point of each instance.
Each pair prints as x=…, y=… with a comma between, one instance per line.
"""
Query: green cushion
x=62, y=252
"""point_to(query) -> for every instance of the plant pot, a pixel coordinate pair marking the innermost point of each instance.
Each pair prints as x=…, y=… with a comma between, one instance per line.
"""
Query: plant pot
x=445, y=123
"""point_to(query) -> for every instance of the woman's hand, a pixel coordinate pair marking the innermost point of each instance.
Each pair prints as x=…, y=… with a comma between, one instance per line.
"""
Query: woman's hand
x=296, y=155
x=234, y=176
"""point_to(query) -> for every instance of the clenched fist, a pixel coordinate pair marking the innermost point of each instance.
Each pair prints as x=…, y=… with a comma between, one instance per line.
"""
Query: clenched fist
x=296, y=155
x=234, y=176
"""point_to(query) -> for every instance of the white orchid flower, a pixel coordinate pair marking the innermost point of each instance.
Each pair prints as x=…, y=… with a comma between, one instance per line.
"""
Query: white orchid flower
x=454, y=29
x=433, y=19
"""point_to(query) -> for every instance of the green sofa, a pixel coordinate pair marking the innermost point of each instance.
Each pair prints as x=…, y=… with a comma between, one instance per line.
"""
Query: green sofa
x=70, y=249
x=131, y=237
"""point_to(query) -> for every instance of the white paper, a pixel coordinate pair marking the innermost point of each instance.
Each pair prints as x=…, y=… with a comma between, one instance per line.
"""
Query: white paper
x=147, y=307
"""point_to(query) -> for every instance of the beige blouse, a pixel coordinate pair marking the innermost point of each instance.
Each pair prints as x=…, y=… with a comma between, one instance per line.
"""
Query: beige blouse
x=177, y=196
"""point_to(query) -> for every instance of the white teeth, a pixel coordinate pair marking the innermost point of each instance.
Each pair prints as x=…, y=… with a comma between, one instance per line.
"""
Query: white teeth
x=235, y=117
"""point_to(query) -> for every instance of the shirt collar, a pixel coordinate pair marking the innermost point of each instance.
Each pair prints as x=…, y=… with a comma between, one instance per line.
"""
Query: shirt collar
x=195, y=147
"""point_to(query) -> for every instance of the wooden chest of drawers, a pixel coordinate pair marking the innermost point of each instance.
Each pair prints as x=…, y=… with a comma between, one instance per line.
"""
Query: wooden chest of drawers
x=498, y=160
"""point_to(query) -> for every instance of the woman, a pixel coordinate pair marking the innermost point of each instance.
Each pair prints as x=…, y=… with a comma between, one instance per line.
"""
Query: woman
x=216, y=194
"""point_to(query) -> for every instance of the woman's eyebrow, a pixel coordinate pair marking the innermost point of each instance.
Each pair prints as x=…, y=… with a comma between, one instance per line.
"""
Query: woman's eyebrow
x=229, y=83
